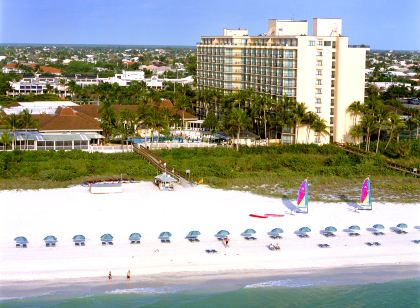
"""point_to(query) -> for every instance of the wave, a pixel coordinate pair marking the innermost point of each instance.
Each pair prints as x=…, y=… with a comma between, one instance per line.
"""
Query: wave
x=163, y=290
x=288, y=283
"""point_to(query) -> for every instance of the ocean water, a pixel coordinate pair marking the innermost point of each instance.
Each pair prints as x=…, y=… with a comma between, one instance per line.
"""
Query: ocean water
x=295, y=292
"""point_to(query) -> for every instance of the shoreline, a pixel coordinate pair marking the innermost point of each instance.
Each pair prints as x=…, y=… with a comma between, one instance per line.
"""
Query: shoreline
x=211, y=282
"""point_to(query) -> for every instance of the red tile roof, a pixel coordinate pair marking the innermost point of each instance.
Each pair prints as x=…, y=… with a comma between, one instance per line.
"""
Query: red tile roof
x=50, y=69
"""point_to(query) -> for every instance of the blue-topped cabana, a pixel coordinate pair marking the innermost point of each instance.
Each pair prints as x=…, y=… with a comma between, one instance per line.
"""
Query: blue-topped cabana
x=50, y=241
x=21, y=242
x=107, y=239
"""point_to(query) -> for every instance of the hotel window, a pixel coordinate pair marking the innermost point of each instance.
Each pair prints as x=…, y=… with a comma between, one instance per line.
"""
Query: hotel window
x=318, y=100
x=327, y=43
x=319, y=72
x=318, y=91
x=319, y=53
x=318, y=109
x=311, y=43
x=319, y=63
x=319, y=82
x=320, y=43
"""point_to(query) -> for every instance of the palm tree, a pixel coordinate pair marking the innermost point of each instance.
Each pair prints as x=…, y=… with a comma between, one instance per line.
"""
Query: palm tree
x=108, y=119
x=182, y=103
x=5, y=140
x=27, y=122
x=356, y=132
x=238, y=120
x=126, y=125
x=381, y=120
x=309, y=121
x=299, y=114
x=13, y=123
x=283, y=113
x=320, y=128
x=355, y=109
x=395, y=124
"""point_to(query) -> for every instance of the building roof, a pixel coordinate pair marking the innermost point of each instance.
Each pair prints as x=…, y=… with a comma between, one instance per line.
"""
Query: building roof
x=50, y=69
x=67, y=119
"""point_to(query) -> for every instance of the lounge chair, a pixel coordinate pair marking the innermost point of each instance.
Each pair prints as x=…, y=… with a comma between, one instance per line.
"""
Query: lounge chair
x=165, y=240
x=416, y=241
x=82, y=244
x=24, y=246
x=77, y=244
x=47, y=244
x=110, y=243
x=53, y=244
x=133, y=242
x=376, y=243
x=303, y=235
x=17, y=245
x=354, y=234
x=323, y=246
x=211, y=250
x=275, y=237
x=378, y=233
x=250, y=238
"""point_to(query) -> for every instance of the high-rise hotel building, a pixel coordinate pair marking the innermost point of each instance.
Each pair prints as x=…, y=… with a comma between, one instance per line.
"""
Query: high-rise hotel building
x=322, y=70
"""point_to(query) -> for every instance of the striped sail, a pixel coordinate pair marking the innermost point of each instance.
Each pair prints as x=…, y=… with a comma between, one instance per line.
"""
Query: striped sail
x=302, y=196
x=365, y=195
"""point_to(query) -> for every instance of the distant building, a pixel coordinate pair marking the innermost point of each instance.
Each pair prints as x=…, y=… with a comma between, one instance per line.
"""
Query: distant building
x=322, y=70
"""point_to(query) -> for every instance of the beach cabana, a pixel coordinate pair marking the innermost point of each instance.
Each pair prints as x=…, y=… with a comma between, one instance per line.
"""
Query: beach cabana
x=134, y=238
x=329, y=231
x=222, y=234
x=79, y=240
x=107, y=239
x=50, y=240
x=164, y=181
x=165, y=237
x=352, y=230
x=192, y=236
x=248, y=234
x=275, y=233
x=21, y=241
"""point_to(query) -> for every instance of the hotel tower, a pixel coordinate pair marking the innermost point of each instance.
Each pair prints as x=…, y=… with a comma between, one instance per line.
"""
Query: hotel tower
x=321, y=70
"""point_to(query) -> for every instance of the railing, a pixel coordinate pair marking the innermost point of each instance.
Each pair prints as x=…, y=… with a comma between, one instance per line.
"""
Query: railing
x=388, y=162
x=160, y=165
x=111, y=148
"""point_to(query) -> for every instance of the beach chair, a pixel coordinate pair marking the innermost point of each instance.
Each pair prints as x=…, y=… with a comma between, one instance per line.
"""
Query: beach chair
x=82, y=244
x=303, y=235
x=77, y=244
x=17, y=245
x=110, y=243
x=47, y=244
x=376, y=243
x=53, y=244
x=24, y=246
x=137, y=242
x=250, y=238
x=103, y=243
x=369, y=243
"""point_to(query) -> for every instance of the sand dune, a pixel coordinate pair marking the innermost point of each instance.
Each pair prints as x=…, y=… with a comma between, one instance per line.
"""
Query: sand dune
x=142, y=208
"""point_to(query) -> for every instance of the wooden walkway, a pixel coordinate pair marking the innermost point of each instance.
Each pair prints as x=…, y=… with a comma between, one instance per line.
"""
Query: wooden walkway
x=388, y=162
x=156, y=162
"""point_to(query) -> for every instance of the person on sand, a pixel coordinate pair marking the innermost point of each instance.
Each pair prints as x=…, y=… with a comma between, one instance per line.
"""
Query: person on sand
x=109, y=276
x=277, y=246
x=128, y=275
x=227, y=242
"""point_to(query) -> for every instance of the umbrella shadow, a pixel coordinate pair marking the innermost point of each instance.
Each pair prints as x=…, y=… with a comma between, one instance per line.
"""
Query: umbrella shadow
x=417, y=227
x=371, y=229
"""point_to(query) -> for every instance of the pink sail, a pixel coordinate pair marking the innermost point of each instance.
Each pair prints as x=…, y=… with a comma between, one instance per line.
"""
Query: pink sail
x=365, y=197
x=302, y=196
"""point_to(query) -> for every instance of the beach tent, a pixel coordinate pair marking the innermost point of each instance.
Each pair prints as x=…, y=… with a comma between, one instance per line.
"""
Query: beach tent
x=134, y=238
x=50, y=240
x=248, y=232
x=79, y=240
x=275, y=233
x=165, y=237
x=21, y=241
x=222, y=234
x=330, y=229
x=107, y=239
x=304, y=229
x=192, y=236
x=378, y=226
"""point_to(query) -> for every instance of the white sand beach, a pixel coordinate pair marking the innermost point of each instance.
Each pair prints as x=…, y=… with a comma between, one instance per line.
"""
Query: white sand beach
x=143, y=208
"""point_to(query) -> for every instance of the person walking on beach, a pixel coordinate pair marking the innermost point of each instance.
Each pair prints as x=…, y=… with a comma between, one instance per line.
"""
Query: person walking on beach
x=128, y=275
x=109, y=276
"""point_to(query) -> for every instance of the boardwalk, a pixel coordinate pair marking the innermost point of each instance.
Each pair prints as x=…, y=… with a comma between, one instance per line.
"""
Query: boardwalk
x=148, y=155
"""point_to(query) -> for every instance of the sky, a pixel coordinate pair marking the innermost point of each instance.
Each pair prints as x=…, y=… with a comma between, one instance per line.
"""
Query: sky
x=382, y=24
